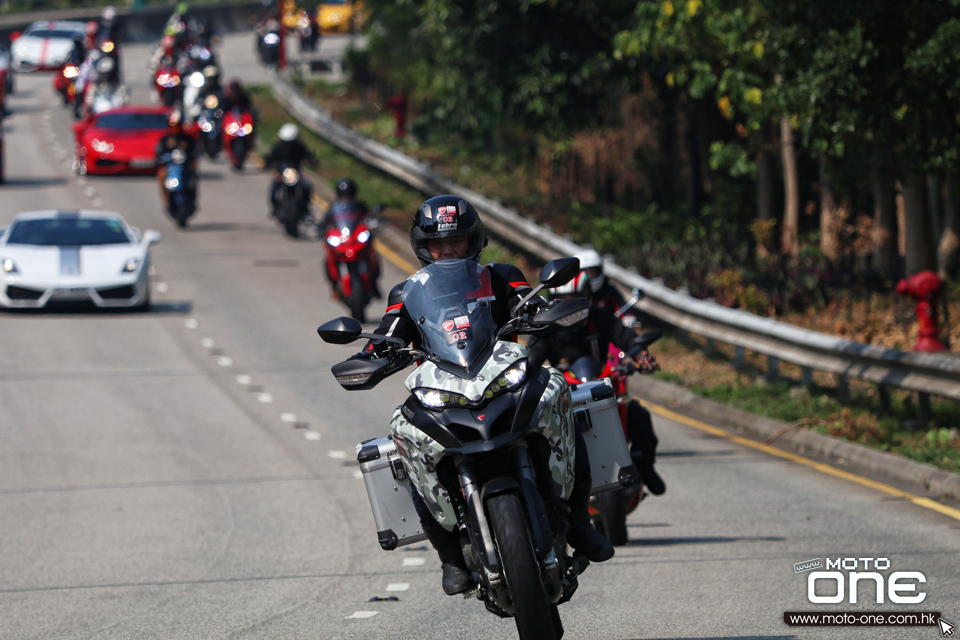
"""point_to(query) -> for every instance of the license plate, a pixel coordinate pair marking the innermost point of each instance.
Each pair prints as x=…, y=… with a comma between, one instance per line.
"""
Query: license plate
x=71, y=292
x=142, y=162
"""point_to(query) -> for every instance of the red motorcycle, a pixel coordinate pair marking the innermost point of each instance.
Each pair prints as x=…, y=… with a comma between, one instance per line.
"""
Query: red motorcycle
x=351, y=262
x=237, y=136
x=64, y=82
x=609, y=510
x=167, y=85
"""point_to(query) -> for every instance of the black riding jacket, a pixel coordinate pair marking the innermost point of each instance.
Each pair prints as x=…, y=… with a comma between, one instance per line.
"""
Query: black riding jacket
x=592, y=340
x=289, y=153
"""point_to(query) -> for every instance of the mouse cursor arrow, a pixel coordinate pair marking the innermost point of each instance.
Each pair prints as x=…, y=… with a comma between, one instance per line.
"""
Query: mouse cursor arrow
x=946, y=629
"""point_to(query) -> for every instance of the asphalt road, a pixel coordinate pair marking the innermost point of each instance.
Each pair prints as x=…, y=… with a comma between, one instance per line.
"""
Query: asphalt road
x=189, y=472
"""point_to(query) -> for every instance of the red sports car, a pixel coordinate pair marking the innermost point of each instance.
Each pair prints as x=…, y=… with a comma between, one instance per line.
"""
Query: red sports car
x=121, y=140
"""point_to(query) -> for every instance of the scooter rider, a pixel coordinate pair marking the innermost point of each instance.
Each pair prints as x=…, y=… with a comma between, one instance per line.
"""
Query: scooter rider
x=176, y=138
x=448, y=227
x=347, y=205
x=592, y=341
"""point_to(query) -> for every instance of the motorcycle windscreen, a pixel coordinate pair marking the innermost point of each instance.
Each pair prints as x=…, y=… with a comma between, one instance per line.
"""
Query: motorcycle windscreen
x=450, y=300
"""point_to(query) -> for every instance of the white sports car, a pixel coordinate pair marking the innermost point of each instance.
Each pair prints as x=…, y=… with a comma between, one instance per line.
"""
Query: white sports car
x=74, y=256
x=45, y=44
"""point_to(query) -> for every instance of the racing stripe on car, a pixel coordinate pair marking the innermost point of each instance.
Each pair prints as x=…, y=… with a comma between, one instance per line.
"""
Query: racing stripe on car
x=41, y=61
x=69, y=261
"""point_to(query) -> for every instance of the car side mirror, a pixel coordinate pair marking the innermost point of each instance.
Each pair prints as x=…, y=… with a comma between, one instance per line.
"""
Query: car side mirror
x=151, y=237
x=14, y=35
x=342, y=330
x=559, y=271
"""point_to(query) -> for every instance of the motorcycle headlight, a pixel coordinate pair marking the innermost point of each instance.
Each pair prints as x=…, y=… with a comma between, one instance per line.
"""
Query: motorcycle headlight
x=437, y=399
x=232, y=128
x=206, y=127
x=211, y=102
x=363, y=236
x=247, y=128
x=171, y=183
x=507, y=381
x=107, y=46
x=334, y=241
x=70, y=72
x=290, y=177
x=101, y=146
x=196, y=79
x=8, y=265
x=130, y=265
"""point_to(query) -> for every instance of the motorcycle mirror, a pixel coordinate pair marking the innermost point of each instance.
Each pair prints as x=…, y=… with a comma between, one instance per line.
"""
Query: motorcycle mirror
x=559, y=271
x=342, y=330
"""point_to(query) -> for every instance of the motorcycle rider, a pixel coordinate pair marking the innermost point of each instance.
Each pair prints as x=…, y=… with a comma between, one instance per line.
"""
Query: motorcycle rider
x=176, y=138
x=236, y=97
x=289, y=151
x=605, y=295
x=347, y=204
x=448, y=227
x=592, y=341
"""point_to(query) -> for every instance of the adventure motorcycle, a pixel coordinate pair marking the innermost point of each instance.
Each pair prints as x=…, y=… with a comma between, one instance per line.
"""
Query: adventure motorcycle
x=487, y=438
x=350, y=259
x=290, y=196
x=237, y=136
x=180, y=186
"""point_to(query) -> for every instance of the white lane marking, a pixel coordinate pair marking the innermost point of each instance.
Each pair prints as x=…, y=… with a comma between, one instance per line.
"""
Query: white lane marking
x=81, y=181
x=414, y=562
x=264, y=397
x=336, y=454
x=190, y=323
x=225, y=361
x=312, y=435
x=89, y=192
x=288, y=417
x=358, y=474
x=162, y=287
x=244, y=379
x=207, y=343
x=97, y=202
x=362, y=614
x=398, y=586
x=152, y=271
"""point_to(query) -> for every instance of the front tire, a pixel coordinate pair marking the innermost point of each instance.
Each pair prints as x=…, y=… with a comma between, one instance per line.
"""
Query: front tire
x=357, y=300
x=534, y=615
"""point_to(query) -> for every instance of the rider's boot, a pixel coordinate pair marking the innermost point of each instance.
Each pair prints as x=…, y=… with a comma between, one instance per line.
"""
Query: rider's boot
x=456, y=576
x=651, y=479
x=582, y=536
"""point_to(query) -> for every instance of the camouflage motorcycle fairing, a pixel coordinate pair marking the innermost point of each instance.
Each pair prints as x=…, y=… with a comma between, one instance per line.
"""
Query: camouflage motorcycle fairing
x=429, y=375
x=421, y=453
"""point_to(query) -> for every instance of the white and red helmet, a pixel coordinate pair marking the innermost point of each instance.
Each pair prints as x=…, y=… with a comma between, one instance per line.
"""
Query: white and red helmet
x=579, y=286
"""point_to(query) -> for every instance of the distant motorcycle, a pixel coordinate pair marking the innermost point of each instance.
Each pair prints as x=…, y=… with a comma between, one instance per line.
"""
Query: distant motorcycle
x=180, y=185
x=308, y=34
x=268, y=45
x=64, y=83
x=291, y=199
x=167, y=86
x=349, y=242
x=210, y=125
x=237, y=136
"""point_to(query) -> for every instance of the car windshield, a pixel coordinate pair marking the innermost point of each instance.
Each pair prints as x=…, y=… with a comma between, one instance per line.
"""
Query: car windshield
x=71, y=231
x=52, y=33
x=132, y=121
x=450, y=300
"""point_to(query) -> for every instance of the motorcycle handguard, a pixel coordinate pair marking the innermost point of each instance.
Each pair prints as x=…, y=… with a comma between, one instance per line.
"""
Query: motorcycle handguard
x=360, y=375
x=565, y=315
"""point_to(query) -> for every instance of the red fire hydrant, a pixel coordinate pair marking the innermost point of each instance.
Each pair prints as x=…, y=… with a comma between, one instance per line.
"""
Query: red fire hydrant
x=925, y=287
x=398, y=104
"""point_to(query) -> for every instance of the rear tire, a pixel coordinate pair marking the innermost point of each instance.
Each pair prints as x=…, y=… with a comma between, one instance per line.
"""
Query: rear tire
x=534, y=613
x=614, y=517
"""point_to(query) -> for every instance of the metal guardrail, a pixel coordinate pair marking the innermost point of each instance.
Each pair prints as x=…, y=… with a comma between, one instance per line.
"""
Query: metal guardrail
x=923, y=373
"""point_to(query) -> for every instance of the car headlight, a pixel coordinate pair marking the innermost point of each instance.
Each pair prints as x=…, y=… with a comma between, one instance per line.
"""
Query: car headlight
x=8, y=265
x=130, y=265
x=437, y=399
x=101, y=146
x=21, y=48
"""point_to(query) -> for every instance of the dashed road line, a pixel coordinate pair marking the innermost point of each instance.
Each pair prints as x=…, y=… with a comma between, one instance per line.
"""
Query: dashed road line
x=361, y=614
